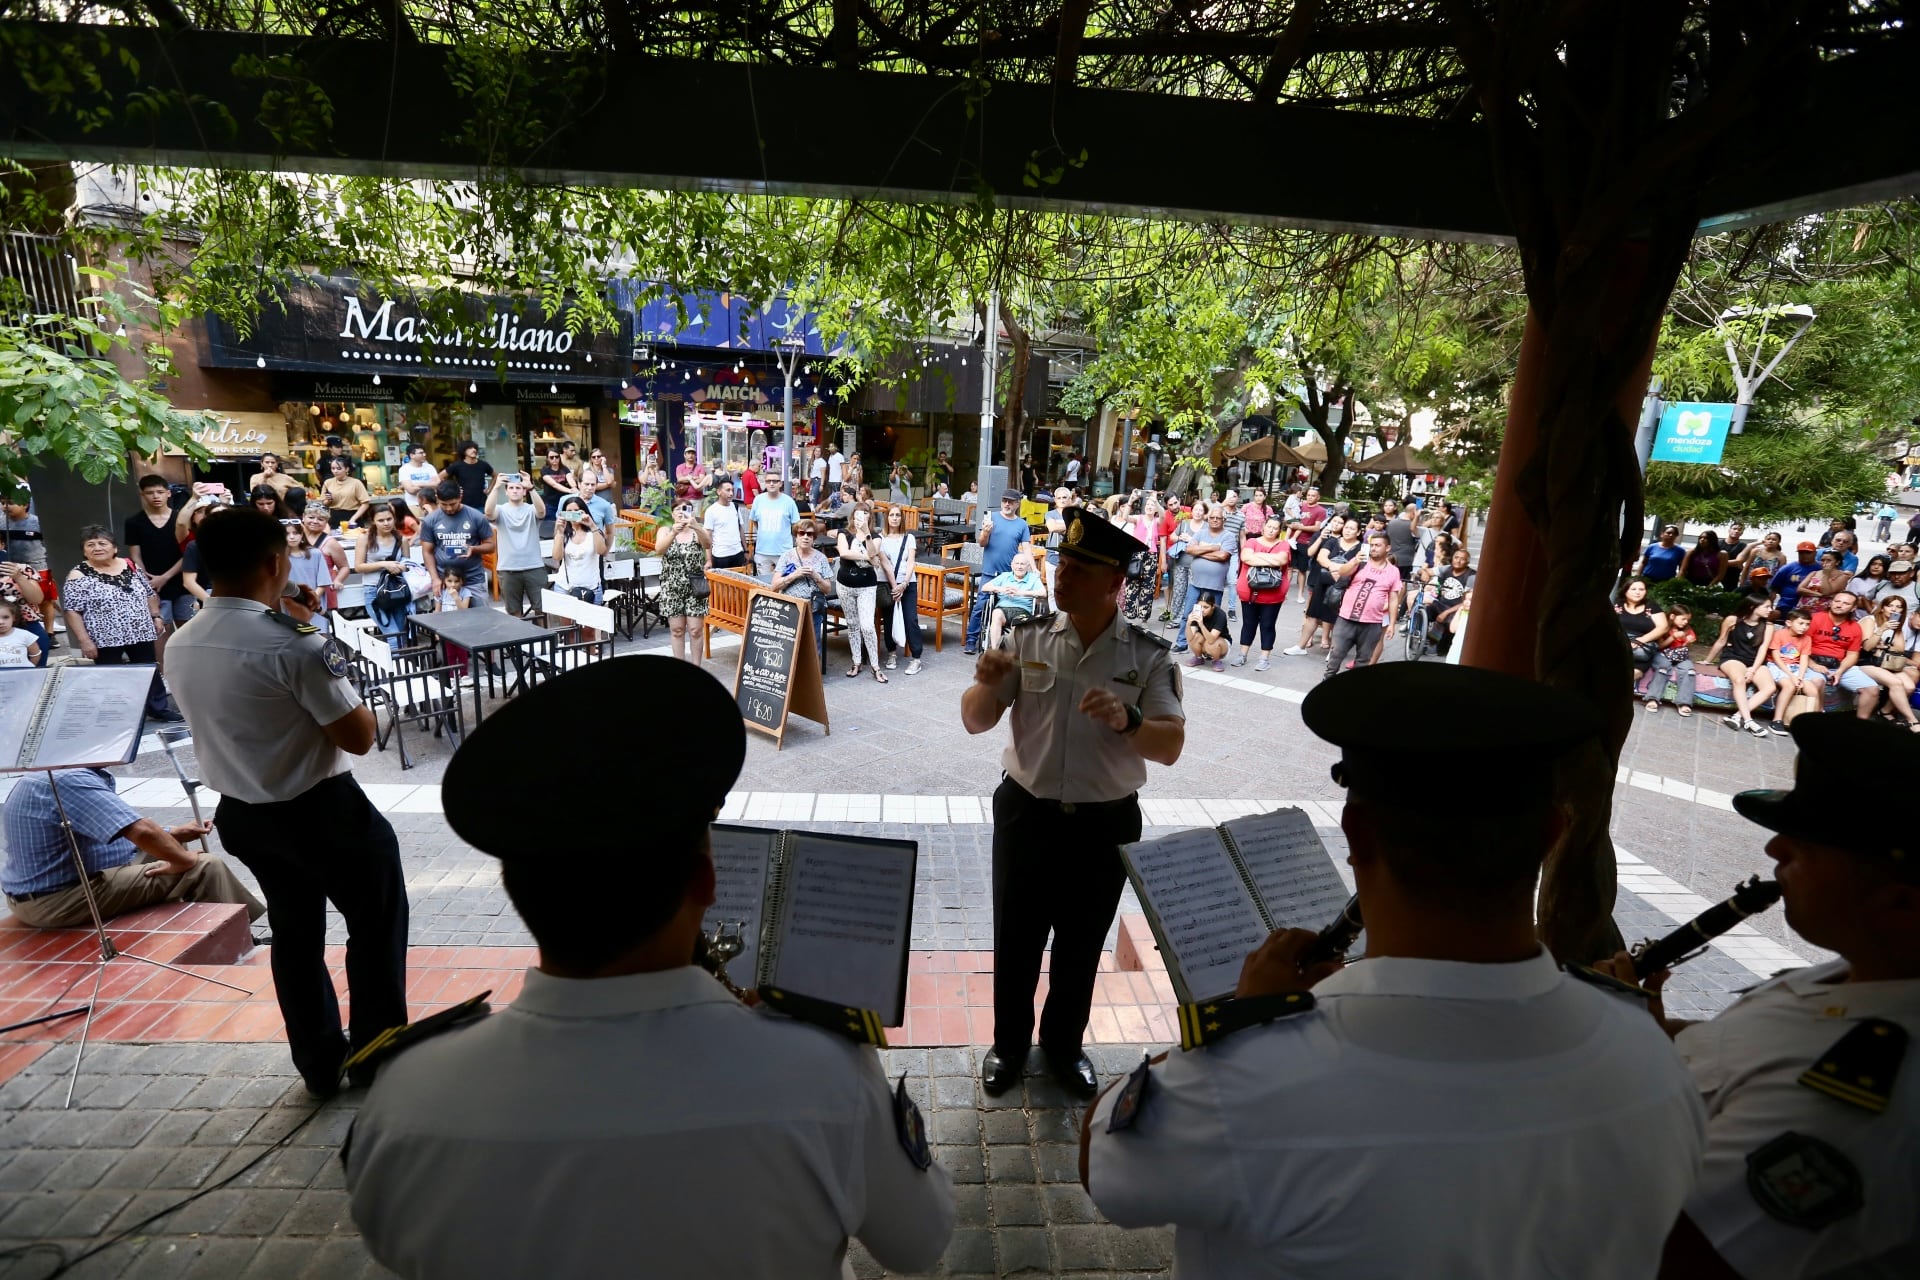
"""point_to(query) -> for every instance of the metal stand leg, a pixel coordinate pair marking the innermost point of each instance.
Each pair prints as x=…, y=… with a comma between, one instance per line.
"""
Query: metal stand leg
x=108, y=951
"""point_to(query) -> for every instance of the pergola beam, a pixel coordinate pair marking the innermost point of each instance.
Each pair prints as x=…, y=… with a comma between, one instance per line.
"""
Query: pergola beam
x=786, y=130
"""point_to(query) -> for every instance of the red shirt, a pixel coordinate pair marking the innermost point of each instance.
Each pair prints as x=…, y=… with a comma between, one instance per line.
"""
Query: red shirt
x=749, y=486
x=1831, y=639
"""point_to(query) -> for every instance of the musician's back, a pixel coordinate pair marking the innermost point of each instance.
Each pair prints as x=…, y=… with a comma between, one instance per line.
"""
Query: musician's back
x=1428, y=1118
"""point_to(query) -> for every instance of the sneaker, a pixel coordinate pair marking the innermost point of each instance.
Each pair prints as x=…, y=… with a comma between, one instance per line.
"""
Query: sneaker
x=1737, y=723
x=59, y=625
x=969, y=652
x=1196, y=661
x=1757, y=729
x=913, y=667
x=1295, y=651
x=1166, y=615
x=1263, y=665
x=892, y=662
x=1777, y=728
x=1219, y=665
x=1240, y=661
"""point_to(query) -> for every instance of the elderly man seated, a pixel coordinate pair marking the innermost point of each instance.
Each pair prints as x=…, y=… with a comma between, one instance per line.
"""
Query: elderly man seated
x=133, y=861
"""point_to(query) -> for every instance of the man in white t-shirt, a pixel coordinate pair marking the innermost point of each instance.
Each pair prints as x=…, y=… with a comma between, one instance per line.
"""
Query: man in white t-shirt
x=1073, y=470
x=836, y=469
x=521, y=566
x=723, y=528
x=417, y=476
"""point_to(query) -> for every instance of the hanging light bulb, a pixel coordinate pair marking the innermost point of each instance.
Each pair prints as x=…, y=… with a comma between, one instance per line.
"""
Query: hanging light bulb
x=259, y=362
x=376, y=379
x=623, y=384
x=473, y=388
x=553, y=388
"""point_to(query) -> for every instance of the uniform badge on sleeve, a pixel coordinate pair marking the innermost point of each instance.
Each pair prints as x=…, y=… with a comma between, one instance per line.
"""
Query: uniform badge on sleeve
x=333, y=655
x=911, y=1127
x=1803, y=1181
x=1133, y=1096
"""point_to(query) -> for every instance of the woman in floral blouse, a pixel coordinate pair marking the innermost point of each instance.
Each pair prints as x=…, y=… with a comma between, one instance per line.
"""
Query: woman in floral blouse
x=112, y=612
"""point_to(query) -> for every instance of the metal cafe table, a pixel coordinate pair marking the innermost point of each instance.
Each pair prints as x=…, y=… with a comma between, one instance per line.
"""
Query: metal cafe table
x=517, y=642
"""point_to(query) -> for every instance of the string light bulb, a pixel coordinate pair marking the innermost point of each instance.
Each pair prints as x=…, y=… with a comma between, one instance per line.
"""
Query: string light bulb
x=376, y=379
x=259, y=362
x=473, y=388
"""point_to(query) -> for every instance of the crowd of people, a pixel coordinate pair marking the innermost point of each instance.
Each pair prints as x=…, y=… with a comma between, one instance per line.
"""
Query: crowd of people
x=1823, y=622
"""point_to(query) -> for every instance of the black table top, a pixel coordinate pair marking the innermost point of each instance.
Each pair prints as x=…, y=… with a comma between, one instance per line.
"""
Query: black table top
x=479, y=628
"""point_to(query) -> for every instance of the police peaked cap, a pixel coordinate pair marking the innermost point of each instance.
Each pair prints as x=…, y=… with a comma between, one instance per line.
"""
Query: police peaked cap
x=1098, y=541
x=1832, y=748
x=480, y=795
x=1509, y=731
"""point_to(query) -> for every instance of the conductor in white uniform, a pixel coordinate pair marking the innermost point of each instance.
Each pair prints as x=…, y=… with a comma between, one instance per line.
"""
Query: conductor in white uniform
x=1093, y=700
x=628, y=1115
x=1453, y=1104
x=1813, y=1102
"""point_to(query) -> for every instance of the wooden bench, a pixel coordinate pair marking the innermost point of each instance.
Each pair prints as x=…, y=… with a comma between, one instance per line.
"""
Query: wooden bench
x=727, y=596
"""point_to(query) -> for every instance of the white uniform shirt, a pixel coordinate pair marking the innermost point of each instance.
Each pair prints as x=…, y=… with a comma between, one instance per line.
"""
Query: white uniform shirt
x=723, y=527
x=836, y=467
x=1747, y=1062
x=1426, y=1118
x=646, y=1124
x=256, y=693
x=1057, y=752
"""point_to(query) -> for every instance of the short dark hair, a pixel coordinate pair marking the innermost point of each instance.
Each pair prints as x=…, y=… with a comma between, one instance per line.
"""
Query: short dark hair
x=1500, y=851
x=447, y=489
x=416, y=445
x=88, y=532
x=1800, y=613
x=151, y=481
x=585, y=933
x=237, y=542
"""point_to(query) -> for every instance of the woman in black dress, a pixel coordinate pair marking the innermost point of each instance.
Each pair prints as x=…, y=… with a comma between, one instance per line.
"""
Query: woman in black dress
x=1738, y=649
x=1338, y=543
x=1642, y=621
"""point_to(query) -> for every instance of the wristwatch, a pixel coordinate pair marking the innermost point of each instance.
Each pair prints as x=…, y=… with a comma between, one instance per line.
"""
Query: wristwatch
x=1135, y=718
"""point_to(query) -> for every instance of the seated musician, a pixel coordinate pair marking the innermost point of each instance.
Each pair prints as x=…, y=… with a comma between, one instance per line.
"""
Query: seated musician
x=626, y=1114
x=1449, y=1106
x=132, y=862
x=1813, y=1127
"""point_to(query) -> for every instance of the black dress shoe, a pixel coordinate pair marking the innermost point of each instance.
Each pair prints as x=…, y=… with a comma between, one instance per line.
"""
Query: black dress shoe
x=1076, y=1075
x=999, y=1073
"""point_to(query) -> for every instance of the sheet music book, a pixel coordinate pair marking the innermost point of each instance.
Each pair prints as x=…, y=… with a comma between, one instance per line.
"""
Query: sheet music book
x=827, y=916
x=71, y=717
x=1213, y=894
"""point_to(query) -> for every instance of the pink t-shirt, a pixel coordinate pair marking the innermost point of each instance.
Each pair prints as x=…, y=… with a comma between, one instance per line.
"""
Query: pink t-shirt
x=1371, y=589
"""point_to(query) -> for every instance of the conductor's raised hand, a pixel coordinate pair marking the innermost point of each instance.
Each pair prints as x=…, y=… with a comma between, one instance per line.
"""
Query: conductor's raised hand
x=1273, y=968
x=1103, y=707
x=994, y=666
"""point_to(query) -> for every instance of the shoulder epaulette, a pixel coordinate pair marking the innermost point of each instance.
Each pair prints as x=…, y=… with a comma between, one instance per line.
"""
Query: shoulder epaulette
x=291, y=623
x=1606, y=982
x=861, y=1025
x=1142, y=633
x=394, y=1041
x=1205, y=1023
x=1860, y=1068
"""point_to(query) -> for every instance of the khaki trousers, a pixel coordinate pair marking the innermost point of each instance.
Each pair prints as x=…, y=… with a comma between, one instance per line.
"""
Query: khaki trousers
x=128, y=888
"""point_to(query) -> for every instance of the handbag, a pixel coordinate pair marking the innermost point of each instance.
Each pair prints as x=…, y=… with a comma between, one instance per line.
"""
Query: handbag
x=1265, y=577
x=856, y=573
x=1140, y=568
x=701, y=588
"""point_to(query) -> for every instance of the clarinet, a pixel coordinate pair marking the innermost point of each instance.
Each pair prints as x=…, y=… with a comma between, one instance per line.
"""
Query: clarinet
x=1332, y=942
x=1691, y=938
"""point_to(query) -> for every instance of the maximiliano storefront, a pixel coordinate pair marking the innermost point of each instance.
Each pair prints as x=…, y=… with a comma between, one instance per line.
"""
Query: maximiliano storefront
x=382, y=375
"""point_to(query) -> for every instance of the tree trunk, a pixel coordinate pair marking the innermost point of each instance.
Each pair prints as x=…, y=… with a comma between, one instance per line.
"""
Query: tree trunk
x=1013, y=413
x=1335, y=439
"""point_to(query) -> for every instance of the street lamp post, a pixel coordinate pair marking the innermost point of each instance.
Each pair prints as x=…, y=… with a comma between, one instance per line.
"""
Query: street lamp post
x=989, y=374
x=791, y=349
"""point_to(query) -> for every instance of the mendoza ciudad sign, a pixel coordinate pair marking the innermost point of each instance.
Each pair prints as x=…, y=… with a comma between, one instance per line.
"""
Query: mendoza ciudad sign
x=1692, y=433
x=333, y=325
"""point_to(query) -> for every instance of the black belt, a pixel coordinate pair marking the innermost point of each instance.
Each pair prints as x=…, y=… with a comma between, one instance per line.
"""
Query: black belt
x=1074, y=806
x=12, y=536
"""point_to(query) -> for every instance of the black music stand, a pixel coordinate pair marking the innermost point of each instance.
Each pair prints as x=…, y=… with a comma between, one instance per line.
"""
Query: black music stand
x=126, y=746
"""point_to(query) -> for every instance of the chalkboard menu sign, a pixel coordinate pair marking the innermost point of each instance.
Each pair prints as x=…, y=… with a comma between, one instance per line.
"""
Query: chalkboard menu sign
x=779, y=672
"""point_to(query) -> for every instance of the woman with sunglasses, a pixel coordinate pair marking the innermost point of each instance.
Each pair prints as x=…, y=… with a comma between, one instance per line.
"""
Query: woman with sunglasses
x=686, y=553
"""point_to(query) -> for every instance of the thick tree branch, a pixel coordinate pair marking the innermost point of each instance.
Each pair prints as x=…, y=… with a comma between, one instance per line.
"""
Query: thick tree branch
x=1073, y=30
x=1292, y=46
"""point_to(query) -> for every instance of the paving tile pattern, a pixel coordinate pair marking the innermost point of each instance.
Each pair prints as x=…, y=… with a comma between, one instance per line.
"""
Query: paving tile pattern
x=152, y=1125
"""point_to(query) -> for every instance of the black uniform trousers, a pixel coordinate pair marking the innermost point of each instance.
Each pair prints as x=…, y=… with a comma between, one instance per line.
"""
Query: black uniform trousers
x=357, y=868
x=1056, y=868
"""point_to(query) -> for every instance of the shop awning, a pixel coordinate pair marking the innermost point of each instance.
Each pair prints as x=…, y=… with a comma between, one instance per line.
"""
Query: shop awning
x=1268, y=449
x=1399, y=460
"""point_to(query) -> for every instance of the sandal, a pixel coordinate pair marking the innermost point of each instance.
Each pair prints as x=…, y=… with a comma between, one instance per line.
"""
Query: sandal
x=1685, y=712
x=1652, y=706
x=1913, y=726
x=854, y=672
x=879, y=675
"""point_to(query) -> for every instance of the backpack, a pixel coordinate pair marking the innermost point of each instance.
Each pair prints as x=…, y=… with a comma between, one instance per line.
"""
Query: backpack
x=392, y=594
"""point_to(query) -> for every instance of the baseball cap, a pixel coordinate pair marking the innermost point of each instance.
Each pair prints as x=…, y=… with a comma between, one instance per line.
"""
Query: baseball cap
x=1900, y=566
x=1807, y=546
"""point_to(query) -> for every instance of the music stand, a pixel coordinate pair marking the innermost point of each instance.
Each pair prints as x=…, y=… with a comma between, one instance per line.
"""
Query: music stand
x=177, y=741
x=111, y=733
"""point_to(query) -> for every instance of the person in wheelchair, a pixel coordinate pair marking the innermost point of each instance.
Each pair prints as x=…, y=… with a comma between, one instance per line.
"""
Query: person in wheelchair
x=1013, y=597
x=1445, y=596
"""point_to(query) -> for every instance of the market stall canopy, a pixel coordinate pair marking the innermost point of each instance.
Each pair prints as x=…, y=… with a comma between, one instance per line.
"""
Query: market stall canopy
x=1268, y=449
x=1314, y=450
x=1399, y=460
